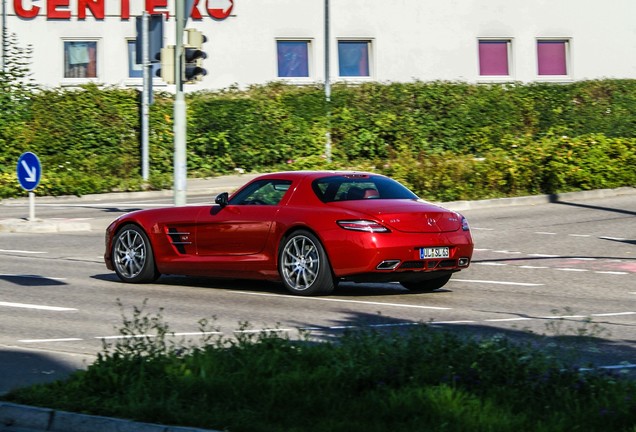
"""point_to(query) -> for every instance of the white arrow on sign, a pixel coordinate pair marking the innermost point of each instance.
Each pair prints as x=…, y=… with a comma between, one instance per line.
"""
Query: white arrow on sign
x=32, y=172
x=224, y=5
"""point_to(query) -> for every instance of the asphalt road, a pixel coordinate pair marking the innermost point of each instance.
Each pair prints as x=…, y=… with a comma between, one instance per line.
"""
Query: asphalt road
x=543, y=272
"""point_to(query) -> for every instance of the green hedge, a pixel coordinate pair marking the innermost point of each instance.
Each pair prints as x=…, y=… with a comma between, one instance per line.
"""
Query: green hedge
x=446, y=140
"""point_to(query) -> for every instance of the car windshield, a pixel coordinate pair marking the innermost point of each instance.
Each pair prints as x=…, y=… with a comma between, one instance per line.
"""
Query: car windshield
x=359, y=187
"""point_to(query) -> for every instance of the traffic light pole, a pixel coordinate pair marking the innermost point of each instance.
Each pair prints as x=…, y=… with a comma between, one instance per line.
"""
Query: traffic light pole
x=180, y=169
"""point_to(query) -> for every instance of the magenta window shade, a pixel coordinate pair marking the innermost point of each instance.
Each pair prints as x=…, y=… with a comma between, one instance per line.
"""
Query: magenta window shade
x=551, y=57
x=493, y=57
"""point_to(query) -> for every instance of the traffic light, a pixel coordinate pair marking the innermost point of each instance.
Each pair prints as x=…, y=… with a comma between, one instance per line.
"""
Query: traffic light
x=193, y=56
x=166, y=71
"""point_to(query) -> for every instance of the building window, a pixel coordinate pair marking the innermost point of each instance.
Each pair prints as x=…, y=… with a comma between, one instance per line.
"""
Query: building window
x=552, y=57
x=293, y=58
x=353, y=58
x=135, y=70
x=80, y=59
x=494, y=57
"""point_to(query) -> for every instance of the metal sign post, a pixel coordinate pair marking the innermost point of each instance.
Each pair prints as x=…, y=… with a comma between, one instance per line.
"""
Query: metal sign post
x=29, y=171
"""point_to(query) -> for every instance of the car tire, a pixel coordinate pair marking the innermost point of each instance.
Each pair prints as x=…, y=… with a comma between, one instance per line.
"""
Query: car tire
x=427, y=285
x=303, y=265
x=132, y=255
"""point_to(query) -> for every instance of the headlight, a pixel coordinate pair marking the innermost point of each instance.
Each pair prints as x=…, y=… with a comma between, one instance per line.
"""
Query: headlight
x=363, y=225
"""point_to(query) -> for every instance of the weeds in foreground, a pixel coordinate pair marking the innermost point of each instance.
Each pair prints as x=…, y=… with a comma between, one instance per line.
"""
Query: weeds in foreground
x=423, y=379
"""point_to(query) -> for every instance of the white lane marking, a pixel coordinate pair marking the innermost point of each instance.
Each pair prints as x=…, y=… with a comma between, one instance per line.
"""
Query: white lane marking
x=572, y=269
x=507, y=252
x=38, y=307
x=50, y=340
x=611, y=272
x=508, y=319
x=139, y=336
x=543, y=255
x=496, y=282
x=579, y=235
x=613, y=238
x=614, y=314
x=30, y=276
x=21, y=251
x=481, y=250
x=452, y=322
x=342, y=300
x=533, y=267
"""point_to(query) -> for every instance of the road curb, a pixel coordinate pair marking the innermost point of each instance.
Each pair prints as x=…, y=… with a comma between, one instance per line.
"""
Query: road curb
x=537, y=199
x=23, y=417
x=43, y=226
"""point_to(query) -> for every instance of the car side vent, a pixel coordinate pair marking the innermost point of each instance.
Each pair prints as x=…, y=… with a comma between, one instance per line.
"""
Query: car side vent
x=179, y=239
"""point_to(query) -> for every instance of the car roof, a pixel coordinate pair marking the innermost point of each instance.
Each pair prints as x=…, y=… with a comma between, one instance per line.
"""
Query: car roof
x=311, y=175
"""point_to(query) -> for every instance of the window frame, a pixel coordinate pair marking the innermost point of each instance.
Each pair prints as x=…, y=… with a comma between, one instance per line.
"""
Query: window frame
x=509, y=58
x=567, y=54
x=370, y=59
x=69, y=80
x=310, y=61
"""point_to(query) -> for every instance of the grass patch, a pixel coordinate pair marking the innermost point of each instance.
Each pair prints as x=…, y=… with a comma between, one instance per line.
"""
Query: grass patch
x=424, y=379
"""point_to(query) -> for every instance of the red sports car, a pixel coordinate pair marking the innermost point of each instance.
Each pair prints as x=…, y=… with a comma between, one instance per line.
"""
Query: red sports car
x=309, y=230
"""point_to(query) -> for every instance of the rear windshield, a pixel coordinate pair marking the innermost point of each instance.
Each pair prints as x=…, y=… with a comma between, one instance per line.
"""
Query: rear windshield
x=359, y=187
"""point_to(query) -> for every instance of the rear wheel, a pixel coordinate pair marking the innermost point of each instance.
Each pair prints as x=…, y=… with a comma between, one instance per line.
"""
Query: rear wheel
x=304, y=266
x=132, y=255
x=426, y=285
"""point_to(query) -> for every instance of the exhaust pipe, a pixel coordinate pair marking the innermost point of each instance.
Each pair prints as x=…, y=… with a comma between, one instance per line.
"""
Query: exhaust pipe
x=388, y=265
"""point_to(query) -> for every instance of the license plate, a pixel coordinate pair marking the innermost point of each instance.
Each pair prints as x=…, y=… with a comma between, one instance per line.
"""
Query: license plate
x=434, y=252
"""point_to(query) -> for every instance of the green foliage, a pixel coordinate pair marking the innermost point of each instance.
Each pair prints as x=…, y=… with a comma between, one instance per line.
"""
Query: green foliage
x=16, y=89
x=446, y=140
x=423, y=379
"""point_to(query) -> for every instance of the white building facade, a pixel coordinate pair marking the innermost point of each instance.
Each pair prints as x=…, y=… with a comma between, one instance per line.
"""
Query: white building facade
x=259, y=41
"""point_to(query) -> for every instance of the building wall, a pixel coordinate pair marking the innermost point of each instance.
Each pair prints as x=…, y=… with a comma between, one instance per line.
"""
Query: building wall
x=408, y=39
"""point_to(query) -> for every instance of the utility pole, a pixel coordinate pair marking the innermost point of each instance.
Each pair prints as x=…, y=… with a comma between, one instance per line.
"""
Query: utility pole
x=145, y=95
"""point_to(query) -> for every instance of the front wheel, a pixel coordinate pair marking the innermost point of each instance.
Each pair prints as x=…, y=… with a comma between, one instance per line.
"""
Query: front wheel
x=426, y=285
x=304, y=266
x=132, y=255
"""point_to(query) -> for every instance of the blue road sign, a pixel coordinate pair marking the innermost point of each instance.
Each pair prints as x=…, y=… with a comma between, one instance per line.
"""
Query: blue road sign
x=29, y=171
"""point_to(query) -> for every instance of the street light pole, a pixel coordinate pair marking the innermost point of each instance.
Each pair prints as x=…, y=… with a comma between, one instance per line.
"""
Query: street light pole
x=327, y=85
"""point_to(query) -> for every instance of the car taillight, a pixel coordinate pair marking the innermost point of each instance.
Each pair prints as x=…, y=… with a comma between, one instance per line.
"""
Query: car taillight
x=465, y=226
x=363, y=225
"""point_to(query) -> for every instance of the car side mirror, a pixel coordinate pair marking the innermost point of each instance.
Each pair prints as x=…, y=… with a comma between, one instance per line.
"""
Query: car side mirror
x=221, y=199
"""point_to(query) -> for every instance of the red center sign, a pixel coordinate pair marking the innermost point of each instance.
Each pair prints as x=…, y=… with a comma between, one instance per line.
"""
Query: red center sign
x=82, y=9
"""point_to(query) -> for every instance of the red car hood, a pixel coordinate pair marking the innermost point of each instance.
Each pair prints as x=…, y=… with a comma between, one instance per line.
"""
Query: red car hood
x=410, y=216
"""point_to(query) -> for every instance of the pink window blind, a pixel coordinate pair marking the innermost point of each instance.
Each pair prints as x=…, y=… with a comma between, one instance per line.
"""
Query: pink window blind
x=493, y=57
x=551, y=57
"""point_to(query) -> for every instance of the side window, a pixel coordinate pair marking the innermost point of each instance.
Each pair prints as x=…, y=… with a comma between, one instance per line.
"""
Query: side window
x=80, y=59
x=354, y=58
x=552, y=57
x=265, y=192
x=494, y=57
x=293, y=58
